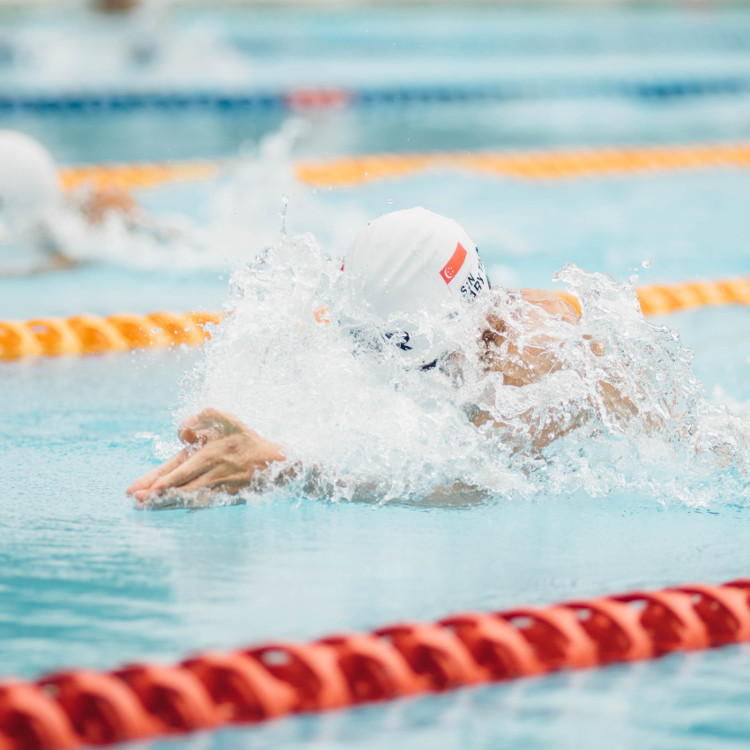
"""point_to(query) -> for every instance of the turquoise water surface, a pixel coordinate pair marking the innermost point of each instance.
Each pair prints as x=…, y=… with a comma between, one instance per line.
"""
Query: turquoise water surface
x=88, y=581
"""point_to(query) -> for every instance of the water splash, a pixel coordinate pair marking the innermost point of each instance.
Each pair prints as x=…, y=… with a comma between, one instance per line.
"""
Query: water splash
x=363, y=426
x=244, y=211
x=132, y=241
x=658, y=436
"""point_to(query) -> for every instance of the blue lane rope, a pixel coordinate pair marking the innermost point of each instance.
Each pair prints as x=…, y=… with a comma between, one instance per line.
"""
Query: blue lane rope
x=100, y=102
x=546, y=89
x=654, y=90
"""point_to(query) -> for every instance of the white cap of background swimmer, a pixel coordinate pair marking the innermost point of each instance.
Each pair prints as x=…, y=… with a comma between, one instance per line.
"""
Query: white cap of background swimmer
x=411, y=269
x=29, y=184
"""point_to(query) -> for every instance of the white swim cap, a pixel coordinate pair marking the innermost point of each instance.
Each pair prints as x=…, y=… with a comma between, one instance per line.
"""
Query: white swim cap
x=413, y=269
x=29, y=184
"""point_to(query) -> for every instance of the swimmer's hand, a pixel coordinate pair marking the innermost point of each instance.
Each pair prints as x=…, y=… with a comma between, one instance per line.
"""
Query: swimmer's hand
x=222, y=455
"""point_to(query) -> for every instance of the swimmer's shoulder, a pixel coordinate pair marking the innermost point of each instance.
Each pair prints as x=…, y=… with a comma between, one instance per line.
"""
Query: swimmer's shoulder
x=552, y=304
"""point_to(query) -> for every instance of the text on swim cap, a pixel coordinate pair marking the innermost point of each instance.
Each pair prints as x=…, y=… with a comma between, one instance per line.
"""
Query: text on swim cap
x=475, y=281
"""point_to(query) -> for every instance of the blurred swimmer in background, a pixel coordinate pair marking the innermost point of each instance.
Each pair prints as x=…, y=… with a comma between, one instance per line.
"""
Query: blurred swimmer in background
x=405, y=267
x=144, y=22
x=44, y=228
x=115, y=6
x=33, y=207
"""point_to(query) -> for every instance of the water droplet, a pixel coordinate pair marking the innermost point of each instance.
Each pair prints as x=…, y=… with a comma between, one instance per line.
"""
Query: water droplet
x=646, y=264
x=282, y=215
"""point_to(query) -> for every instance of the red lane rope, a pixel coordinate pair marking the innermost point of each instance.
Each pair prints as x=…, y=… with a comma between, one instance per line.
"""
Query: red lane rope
x=81, y=707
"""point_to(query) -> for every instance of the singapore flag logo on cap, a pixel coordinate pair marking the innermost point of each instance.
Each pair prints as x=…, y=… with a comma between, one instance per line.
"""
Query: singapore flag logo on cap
x=453, y=266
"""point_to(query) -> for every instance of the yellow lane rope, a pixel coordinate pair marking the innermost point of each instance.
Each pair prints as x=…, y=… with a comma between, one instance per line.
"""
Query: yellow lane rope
x=135, y=176
x=91, y=334
x=535, y=165
x=355, y=170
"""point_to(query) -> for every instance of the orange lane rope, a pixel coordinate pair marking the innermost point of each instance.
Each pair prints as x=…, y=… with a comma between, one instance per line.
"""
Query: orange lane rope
x=135, y=176
x=355, y=170
x=661, y=299
x=91, y=334
x=78, y=708
x=541, y=165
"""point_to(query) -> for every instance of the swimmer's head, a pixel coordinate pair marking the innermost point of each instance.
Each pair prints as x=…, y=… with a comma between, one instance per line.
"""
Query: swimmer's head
x=412, y=270
x=29, y=184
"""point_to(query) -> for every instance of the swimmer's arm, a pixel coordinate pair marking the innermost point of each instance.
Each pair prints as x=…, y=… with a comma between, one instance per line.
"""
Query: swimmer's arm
x=222, y=455
x=608, y=403
x=552, y=304
x=541, y=431
x=97, y=204
x=55, y=262
x=456, y=495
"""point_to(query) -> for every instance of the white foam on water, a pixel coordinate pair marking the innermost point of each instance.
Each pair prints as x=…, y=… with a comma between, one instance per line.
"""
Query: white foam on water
x=362, y=426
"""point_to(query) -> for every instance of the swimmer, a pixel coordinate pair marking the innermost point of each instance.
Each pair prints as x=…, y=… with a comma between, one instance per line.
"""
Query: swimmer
x=142, y=25
x=400, y=266
x=32, y=205
x=115, y=6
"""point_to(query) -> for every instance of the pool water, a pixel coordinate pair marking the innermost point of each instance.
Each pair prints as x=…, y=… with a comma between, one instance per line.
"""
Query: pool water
x=88, y=581
x=526, y=230
x=253, y=50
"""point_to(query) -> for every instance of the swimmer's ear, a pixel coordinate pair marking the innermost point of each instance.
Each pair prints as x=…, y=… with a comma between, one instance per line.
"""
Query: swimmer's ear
x=493, y=335
x=597, y=347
